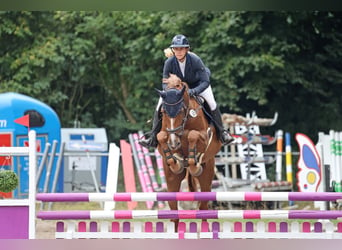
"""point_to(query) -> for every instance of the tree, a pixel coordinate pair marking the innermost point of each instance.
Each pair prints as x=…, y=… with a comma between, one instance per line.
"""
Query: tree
x=102, y=67
x=278, y=61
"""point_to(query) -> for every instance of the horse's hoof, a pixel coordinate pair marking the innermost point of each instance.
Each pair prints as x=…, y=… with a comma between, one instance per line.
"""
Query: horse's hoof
x=175, y=171
x=198, y=172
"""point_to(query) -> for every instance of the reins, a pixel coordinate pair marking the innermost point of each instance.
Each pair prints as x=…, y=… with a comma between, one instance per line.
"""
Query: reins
x=184, y=120
x=173, y=104
x=186, y=116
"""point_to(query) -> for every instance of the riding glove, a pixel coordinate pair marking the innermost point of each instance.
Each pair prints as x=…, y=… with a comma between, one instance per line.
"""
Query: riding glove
x=192, y=92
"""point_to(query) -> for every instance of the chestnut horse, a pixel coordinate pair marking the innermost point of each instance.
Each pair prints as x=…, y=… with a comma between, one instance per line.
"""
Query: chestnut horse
x=186, y=141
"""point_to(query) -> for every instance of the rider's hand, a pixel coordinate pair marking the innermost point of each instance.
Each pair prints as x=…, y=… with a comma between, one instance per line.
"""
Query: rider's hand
x=191, y=92
x=165, y=80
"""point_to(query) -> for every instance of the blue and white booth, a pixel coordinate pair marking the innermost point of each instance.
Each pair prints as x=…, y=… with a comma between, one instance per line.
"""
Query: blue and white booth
x=45, y=122
x=85, y=159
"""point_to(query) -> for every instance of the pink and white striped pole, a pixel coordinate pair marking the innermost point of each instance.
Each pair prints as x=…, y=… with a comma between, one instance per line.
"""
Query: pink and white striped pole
x=189, y=214
x=190, y=196
x=143, y=168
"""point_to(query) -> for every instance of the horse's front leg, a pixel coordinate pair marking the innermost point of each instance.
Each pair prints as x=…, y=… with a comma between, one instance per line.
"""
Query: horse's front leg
x=175, y=166
x=173, y=175
x=196, y=141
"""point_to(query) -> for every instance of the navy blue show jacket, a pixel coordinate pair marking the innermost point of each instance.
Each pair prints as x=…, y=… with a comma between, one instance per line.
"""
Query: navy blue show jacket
x=196, y=75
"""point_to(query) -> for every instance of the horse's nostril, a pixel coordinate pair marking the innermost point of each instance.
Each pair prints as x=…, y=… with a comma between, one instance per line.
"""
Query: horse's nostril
x=175, y=145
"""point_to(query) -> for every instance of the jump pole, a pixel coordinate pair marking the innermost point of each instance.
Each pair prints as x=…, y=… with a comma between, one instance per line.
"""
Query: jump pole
x=128, y=171
x=112, y=173
x=190, y=196
x=149, y=164
x=150, y=169
x=188, y=214
x=32, y=183
x=279, y=155
x=159, y=161
x=288, y=157
x=135, y=228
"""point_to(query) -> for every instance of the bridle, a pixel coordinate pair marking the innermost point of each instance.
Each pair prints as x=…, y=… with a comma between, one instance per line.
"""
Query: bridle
x=184, y=109
x=181, y=126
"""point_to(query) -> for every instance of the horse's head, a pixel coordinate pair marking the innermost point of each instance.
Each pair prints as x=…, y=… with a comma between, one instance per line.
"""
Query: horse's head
x=174, y=114
x=173, y=101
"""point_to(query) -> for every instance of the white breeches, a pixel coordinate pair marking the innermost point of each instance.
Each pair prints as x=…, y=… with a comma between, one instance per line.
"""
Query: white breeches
x=208, y=96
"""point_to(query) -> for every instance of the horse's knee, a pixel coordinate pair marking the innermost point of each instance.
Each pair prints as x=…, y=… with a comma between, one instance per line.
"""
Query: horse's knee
x=176, y=168
x=193, y=136
x=196, y=170
x=162, y=137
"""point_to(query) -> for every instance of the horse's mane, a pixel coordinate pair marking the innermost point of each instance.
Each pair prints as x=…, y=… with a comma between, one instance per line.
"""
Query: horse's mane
x=175, y=82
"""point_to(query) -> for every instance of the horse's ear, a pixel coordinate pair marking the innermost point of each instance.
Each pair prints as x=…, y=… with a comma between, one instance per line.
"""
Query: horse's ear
x=161, y=93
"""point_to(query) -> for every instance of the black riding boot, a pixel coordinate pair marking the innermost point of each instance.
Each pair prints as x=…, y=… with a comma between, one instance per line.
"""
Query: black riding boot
x=151, y=140
x=222, y=134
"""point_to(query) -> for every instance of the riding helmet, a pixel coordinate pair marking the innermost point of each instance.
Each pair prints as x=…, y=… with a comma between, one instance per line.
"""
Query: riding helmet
x=180, y=41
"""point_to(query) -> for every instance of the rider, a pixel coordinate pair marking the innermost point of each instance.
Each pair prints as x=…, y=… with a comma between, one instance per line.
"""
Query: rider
x=190, y=69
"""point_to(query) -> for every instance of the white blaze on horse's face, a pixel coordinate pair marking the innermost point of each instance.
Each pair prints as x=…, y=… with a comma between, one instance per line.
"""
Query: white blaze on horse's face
x=174, y=140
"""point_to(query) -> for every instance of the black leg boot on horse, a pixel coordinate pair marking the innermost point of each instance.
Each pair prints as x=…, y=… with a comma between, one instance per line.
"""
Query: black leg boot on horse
x=222, y=134
x=151, y=140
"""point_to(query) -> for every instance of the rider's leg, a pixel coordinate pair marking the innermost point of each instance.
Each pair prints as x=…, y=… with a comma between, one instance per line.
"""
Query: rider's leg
x=222, y=133
x=151, y=140
x=225, y=137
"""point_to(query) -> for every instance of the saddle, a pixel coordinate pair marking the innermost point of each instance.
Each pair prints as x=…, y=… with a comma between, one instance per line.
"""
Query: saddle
x=206, y=109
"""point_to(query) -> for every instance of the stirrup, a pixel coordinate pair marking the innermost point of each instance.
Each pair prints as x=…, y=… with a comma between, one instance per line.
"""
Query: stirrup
x=226, y=138
x=148, y=143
